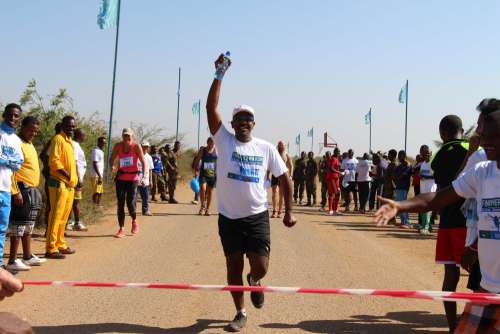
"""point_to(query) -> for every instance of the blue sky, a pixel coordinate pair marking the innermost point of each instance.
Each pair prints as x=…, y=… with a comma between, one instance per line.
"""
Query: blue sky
x=301, y=64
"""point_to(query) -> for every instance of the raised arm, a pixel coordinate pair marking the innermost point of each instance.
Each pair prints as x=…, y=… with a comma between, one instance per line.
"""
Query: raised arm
x=213, y=114
x=420, y=203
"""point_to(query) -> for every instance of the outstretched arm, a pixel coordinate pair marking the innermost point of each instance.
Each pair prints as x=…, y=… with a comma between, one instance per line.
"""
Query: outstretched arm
x=213, y=114
x=420, y=203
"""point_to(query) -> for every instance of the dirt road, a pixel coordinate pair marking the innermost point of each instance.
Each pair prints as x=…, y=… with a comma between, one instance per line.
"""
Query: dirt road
x=177, y=246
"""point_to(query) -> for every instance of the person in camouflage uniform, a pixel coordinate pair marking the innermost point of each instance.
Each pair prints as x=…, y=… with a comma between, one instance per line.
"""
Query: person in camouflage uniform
x=311, y=172
x=299, y=178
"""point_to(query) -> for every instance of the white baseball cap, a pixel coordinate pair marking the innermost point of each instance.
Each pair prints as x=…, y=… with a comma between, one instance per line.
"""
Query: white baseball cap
x=243, y=108
x=145, y=143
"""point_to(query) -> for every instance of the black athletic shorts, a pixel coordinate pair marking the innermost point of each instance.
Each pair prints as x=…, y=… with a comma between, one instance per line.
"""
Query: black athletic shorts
x=353, y=186
x=248, y=234
x=210, y=181
x=274, y=181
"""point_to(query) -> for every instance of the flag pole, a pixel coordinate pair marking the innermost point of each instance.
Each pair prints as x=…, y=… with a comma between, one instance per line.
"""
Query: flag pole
x=113, y=93
x=199, y=117
x=312, y=139
x=370, y=148
x=178, y=105
x=406, y=116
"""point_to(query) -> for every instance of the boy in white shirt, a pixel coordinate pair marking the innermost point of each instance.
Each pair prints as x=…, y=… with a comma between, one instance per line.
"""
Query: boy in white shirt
x=97, y=170
x=427, y=185
x=483, y=183
x=81, y=169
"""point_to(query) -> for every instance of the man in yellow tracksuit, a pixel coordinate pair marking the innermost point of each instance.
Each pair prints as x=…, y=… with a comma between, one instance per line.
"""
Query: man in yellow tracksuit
x=62, y=182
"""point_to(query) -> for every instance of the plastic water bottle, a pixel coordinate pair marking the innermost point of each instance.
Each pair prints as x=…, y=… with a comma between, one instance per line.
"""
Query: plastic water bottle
x=222, y=68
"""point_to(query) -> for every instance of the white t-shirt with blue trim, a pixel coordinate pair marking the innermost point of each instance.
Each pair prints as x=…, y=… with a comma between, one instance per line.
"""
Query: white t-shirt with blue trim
x=241, y=174
x=483, y=183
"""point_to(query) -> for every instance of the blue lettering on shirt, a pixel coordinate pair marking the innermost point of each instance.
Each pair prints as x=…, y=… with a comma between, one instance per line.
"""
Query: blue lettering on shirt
x=490, y=204
x=243, y=178
x=247, y=159
x=495, y=235
x=249, y=170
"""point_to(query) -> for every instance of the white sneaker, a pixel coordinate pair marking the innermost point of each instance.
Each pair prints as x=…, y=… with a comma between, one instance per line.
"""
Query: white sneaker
x=70, y=225
x=79, y=227
x=34, y=261
x=18, y=265
x=330, y=213
x=194, y=202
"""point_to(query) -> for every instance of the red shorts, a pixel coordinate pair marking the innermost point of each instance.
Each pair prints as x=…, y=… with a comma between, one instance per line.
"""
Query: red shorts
x=450, y=245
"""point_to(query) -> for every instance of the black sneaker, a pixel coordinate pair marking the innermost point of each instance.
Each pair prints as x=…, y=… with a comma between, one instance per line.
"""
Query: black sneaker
x=238, y=323
x=256, y=297
x=12, y=271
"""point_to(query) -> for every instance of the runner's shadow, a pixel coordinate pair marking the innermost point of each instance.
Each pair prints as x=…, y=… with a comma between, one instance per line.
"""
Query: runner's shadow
x=198, y=327
x=391, y=323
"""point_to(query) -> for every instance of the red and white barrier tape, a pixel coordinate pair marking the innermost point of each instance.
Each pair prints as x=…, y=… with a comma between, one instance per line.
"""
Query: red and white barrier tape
x=483, y=298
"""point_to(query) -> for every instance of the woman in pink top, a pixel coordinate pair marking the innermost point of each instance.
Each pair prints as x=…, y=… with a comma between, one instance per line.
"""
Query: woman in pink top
x=127, y=177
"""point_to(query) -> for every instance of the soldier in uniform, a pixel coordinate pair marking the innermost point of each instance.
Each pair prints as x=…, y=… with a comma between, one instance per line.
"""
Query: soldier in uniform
x=311, y=172
x=299, y=178
x=171, y=169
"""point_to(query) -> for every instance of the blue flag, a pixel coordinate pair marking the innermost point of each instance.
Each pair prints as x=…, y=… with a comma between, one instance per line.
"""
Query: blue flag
x=108, y=14
x=196, y=109
x=297, y=139
x=402, y=94
x=310, y=132
x=368, y=117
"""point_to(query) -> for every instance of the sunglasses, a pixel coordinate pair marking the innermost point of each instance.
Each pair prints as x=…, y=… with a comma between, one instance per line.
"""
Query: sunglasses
x=244, y=118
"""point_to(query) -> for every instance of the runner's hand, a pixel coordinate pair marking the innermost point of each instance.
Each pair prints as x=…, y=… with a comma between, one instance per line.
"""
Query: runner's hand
x=289, y=220
x=220, y=60
x=18, y=199
x=468, y=259
x=9, y=284
x=387, y=211
x=99, y=180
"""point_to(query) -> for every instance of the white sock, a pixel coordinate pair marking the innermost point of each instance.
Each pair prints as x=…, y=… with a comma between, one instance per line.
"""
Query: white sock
x=243, y=311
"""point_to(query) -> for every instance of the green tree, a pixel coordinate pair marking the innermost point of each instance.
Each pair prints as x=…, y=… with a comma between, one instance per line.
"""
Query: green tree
x=51, y=109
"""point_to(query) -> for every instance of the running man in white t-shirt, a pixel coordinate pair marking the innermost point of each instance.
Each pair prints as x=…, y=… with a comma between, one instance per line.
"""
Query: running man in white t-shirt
x=242, y=164
x=482, y=183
